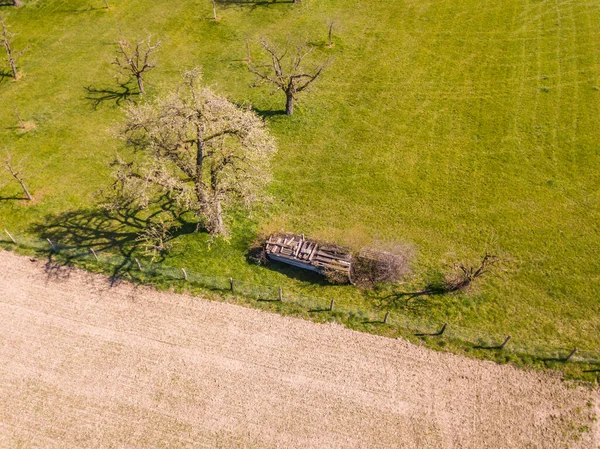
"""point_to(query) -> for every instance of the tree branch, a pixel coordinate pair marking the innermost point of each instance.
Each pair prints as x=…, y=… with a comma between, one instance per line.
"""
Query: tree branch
x=15, y=174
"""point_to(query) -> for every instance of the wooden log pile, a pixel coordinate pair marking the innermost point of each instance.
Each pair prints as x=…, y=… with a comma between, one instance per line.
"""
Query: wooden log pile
x=295, y=250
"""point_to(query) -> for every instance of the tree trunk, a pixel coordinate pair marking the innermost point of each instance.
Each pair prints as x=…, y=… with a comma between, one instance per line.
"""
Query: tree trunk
x=106, y=3
x=17, y=3
x=21, y=121
x=217, y=227
x=15, y=175
x=200, y=191
x=216, y=211
x=13, y=67
x=198, y=184
x=214, y=5
x=140, y=82
x=289, y=103
x=29, y=197
x=9, y=53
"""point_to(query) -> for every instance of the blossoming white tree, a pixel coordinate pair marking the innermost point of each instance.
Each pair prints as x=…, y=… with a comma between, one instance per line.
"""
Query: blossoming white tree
x=202, y=151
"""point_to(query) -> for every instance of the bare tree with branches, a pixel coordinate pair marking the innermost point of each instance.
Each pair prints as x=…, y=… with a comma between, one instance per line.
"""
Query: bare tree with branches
x=11, y=55
x=286, y=71
x=15, y=173
x=465, y=274
x=136, y=61
x=202, y=152
x=460, y=279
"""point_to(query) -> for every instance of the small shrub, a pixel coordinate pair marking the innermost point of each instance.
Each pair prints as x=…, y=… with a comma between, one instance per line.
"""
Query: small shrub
x=464, y=274
x=257, y=253
x=155, y=240
x=371, y=266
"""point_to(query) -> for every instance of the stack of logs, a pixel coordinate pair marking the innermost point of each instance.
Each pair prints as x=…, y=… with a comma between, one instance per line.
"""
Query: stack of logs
x=296, y=250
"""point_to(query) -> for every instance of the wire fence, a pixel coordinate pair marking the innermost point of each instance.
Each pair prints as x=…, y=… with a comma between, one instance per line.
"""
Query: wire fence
x=406, y=325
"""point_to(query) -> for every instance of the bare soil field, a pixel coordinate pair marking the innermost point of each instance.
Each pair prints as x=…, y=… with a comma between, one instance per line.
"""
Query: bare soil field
x=89, y=365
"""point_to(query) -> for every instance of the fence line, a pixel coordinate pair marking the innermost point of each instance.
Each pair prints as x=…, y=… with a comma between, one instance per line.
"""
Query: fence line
x=419, y=327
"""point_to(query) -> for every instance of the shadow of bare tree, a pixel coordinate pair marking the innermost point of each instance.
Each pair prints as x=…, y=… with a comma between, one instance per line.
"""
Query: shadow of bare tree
x=5, y=74
x=440, y=284
x=114, y=231
x=252, y=4
x=432, y=289
x=101, y=95
x=269, y=113
x=13, y=198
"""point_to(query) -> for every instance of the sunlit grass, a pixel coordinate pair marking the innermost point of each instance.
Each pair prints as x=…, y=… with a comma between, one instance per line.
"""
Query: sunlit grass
x=450, y=126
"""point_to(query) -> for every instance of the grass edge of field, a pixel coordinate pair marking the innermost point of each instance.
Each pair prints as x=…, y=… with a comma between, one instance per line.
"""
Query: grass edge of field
x=582, y=373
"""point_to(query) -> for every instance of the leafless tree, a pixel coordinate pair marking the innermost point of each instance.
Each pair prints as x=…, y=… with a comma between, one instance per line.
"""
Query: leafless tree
x=465, y=274
x=136, y=61
x=202, y=152
x=11, y=55
x=20, y=119
x=23, y=126
x=286, y=71
x=15, y=173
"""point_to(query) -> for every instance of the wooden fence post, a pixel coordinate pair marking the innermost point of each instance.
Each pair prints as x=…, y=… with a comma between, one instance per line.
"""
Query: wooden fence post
x=231, y=285
x=505, y=342
x=11, y=237
x=184, y=274
x=138, y=264
x=566, y=359
x=280, y=294
x=331, y=305
x=52, y=247
x=94, y=254
x=385, y=318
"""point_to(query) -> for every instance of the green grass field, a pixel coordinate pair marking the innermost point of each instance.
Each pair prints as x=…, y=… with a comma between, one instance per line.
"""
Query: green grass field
x=450, y=126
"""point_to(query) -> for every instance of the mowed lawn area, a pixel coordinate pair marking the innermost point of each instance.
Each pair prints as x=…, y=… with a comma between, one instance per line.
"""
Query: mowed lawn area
x=450, y=126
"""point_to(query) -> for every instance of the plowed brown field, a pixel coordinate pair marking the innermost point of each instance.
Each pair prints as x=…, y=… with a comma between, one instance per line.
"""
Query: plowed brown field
x=84, y=364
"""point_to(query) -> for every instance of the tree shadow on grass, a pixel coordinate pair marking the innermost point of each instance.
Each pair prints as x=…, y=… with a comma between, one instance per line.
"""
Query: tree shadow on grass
x=116, y=232
x=98, y=96
x=269, y=113
x=489, y=347
x=414, y=301
x=253, y=4
x=13, y=198
x=5, y=75
x=263, y=113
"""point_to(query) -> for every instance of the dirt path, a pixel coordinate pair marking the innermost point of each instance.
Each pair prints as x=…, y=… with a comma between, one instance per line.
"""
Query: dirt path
x=86, y=365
